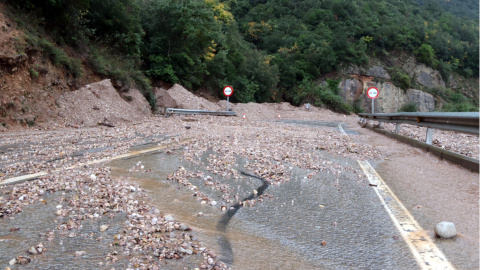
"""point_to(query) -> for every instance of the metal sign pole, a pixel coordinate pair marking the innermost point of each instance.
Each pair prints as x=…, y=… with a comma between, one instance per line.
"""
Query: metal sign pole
x=228, y=104
x=373, y=105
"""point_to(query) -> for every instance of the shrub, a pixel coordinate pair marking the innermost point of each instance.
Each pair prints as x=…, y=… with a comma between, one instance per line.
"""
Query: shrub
x=409, y=107
x=400, y=78
x=33, y=73
x=459, y=107
x=58, y=57
x=334, y=102
x=356, y=106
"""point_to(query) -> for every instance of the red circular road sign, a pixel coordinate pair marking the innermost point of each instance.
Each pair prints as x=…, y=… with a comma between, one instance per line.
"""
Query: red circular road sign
x=373, y=92
x=228, y=90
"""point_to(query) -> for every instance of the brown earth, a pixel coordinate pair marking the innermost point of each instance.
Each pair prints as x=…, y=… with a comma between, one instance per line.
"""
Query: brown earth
x=29, y=84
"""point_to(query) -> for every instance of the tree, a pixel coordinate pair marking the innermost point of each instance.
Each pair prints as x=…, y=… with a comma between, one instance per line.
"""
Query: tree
x=426, y=54
x=116, y=23
x=178, y=36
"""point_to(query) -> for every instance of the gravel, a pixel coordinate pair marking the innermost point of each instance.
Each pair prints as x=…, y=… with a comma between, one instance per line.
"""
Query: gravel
x=271, y=138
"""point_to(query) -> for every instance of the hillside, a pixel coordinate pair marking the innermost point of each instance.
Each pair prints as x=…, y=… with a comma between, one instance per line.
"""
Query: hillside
x=270, y=51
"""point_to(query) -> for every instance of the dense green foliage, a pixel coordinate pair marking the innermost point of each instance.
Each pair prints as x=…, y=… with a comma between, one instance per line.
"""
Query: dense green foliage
x=268, y=50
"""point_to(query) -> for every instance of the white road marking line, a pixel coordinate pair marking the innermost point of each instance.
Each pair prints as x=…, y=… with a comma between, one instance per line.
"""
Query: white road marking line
x=23, y=178
x=426, y=253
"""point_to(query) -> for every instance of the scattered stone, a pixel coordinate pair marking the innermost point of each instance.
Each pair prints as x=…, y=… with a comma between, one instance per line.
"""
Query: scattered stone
x=33, y=251
x=168, y=218
x=80, y=253
x=445, y=230
x=183, y=227
x=103, y=228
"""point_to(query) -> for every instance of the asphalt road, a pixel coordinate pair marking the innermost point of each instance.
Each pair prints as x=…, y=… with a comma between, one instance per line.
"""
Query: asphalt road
x=341, y=214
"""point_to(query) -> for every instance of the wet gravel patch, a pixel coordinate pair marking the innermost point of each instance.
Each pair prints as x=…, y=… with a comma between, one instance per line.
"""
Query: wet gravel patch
x=89, y=220
x=302, y=160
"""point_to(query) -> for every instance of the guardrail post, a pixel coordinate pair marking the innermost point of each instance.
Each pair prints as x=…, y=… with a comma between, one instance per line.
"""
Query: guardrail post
x=429, y=138
x=397, y=127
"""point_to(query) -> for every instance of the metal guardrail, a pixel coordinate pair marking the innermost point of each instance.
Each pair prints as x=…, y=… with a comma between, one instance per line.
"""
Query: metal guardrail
x=170, y=111
x=466, y=122
x=458, y=121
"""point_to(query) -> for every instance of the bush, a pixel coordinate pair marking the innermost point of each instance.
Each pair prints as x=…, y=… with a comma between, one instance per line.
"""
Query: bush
x=409, y=107
x=58, y=57
x=356, y=106
x=400, y=78
x=334, y=102
x=318, y=95
x=459, y=107
x=426, y=54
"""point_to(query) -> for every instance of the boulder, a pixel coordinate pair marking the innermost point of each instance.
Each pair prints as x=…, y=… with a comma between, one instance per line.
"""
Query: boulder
x=445, y=229
x=378, y=72
x=425, y=101
x=390, y=99
x=164, y=100
x=428, y=77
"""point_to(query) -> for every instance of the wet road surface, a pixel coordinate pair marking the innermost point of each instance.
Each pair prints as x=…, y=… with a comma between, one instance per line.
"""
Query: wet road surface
x=320, y=219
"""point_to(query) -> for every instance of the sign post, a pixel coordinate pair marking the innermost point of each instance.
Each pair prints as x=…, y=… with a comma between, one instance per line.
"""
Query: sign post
x=373, y=93
x=228, y=91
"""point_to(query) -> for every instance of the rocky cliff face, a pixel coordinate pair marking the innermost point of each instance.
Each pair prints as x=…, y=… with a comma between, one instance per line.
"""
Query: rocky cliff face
x=391, y=98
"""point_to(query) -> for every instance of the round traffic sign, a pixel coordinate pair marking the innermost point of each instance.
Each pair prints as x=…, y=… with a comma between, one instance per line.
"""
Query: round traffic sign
x=228, y=90
x=373, y=92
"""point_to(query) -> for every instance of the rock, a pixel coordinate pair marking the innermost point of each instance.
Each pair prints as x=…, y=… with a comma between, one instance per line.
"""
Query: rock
x=351, y=89
x=378, y=72
x=390, y=99
x=425, y=101
x=183, y=227
x=80, y=253
x=103, y=228
x=445, y=229
x=33, y=251
x=428, y=77
x=163, y=98
x=168, y=218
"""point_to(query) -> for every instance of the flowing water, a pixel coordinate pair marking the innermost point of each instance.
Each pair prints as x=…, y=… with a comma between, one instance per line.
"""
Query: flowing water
x=309, y=223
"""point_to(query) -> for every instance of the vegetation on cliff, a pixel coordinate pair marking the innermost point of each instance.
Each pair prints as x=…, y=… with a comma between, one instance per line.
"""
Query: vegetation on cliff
x=271, y=50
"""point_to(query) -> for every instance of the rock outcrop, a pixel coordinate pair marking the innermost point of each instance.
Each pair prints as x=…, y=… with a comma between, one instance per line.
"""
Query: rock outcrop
x=391, y=98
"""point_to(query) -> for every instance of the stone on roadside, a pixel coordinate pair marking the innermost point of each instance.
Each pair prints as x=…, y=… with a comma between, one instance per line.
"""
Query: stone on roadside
x=168, y=218
x=80, y=253
x=445, y=229
x=103, y=228
x=33, y=251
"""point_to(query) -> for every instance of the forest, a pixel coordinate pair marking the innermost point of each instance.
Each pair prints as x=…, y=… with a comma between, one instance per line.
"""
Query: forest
x=268, y=49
